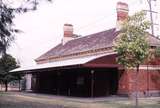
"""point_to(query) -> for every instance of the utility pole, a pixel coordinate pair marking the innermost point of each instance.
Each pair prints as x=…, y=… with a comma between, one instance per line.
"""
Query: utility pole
x=153, y=33
x=151, y=15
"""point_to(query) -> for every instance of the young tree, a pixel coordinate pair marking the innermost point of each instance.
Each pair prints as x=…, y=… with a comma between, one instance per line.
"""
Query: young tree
x=132, y=46
x=7, y=63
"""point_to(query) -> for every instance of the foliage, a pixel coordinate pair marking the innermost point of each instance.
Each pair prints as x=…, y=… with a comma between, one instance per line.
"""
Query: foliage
x=132, y=46
x=7, y=14
x=6, y=27
x=24, y=5
x=7, y=63
x=7, y=34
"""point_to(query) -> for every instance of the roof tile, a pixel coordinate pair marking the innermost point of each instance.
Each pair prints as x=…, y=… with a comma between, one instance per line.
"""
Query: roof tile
x=94, y=41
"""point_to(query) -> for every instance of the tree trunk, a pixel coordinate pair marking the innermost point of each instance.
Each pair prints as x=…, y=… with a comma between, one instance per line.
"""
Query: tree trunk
x=6, y=86
x=19, y=84
x=0, y=86
x=136, y=87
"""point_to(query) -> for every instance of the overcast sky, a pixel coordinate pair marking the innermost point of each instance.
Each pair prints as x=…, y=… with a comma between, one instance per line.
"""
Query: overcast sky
x=43, y=28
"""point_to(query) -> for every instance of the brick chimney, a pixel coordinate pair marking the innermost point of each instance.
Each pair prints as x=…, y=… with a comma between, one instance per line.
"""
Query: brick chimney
x=68, y=33
x=122, y=13
x=68, y=30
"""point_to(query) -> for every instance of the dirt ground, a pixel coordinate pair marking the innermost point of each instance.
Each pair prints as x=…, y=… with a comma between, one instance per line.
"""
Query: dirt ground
x=31, y=100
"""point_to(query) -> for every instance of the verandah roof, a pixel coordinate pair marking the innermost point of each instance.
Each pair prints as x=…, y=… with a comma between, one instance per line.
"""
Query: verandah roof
x=63, y=63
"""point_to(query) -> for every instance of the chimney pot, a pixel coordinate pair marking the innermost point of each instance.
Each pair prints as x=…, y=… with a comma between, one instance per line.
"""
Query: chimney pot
x=122, y=13
x=68, y=30
x=68, y=33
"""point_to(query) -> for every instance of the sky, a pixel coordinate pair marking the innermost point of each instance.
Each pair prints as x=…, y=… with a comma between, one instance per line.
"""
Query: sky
x=43, y=29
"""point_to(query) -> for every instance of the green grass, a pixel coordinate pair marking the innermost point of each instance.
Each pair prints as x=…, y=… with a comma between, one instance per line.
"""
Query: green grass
x=17, y=100
x=2, y=93
x=130, y=104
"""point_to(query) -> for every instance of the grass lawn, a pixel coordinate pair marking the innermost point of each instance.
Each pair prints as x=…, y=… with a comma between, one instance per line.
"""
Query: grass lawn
x=2, y=93
x=143, y=103
x=25, y=100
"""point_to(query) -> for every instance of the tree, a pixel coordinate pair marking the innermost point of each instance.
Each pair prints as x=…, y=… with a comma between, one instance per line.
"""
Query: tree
x=6, y=28
x=7, y=63
x=24, y=5
x=132, y=46
x=7, y=14
x=8, y=31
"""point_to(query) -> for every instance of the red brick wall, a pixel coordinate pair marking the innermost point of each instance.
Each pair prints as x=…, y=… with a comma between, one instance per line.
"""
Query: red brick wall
x=154, y=80
x=123, y=86
x=147, y=81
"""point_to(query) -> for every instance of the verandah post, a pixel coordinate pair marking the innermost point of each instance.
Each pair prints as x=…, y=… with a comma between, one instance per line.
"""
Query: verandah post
x=136, y=86
x=92, y=83
x=58, y=83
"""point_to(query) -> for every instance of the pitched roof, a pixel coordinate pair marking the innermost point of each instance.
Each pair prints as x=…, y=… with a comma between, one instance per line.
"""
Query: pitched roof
x=94, y=41
x=154, y=41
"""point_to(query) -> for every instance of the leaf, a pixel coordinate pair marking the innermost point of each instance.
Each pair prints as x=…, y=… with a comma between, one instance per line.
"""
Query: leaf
x=132, y=46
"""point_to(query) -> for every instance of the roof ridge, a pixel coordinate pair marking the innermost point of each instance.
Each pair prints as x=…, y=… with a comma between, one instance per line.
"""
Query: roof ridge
x=74, y=40
x=154, y=36
x=81, y=44
x=91, y=34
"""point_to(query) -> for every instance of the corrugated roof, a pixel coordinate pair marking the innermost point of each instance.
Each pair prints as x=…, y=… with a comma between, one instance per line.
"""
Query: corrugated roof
x=68, y=62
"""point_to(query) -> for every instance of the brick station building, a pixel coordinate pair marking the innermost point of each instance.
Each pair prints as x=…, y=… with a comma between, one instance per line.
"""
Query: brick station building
x=86, y=66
